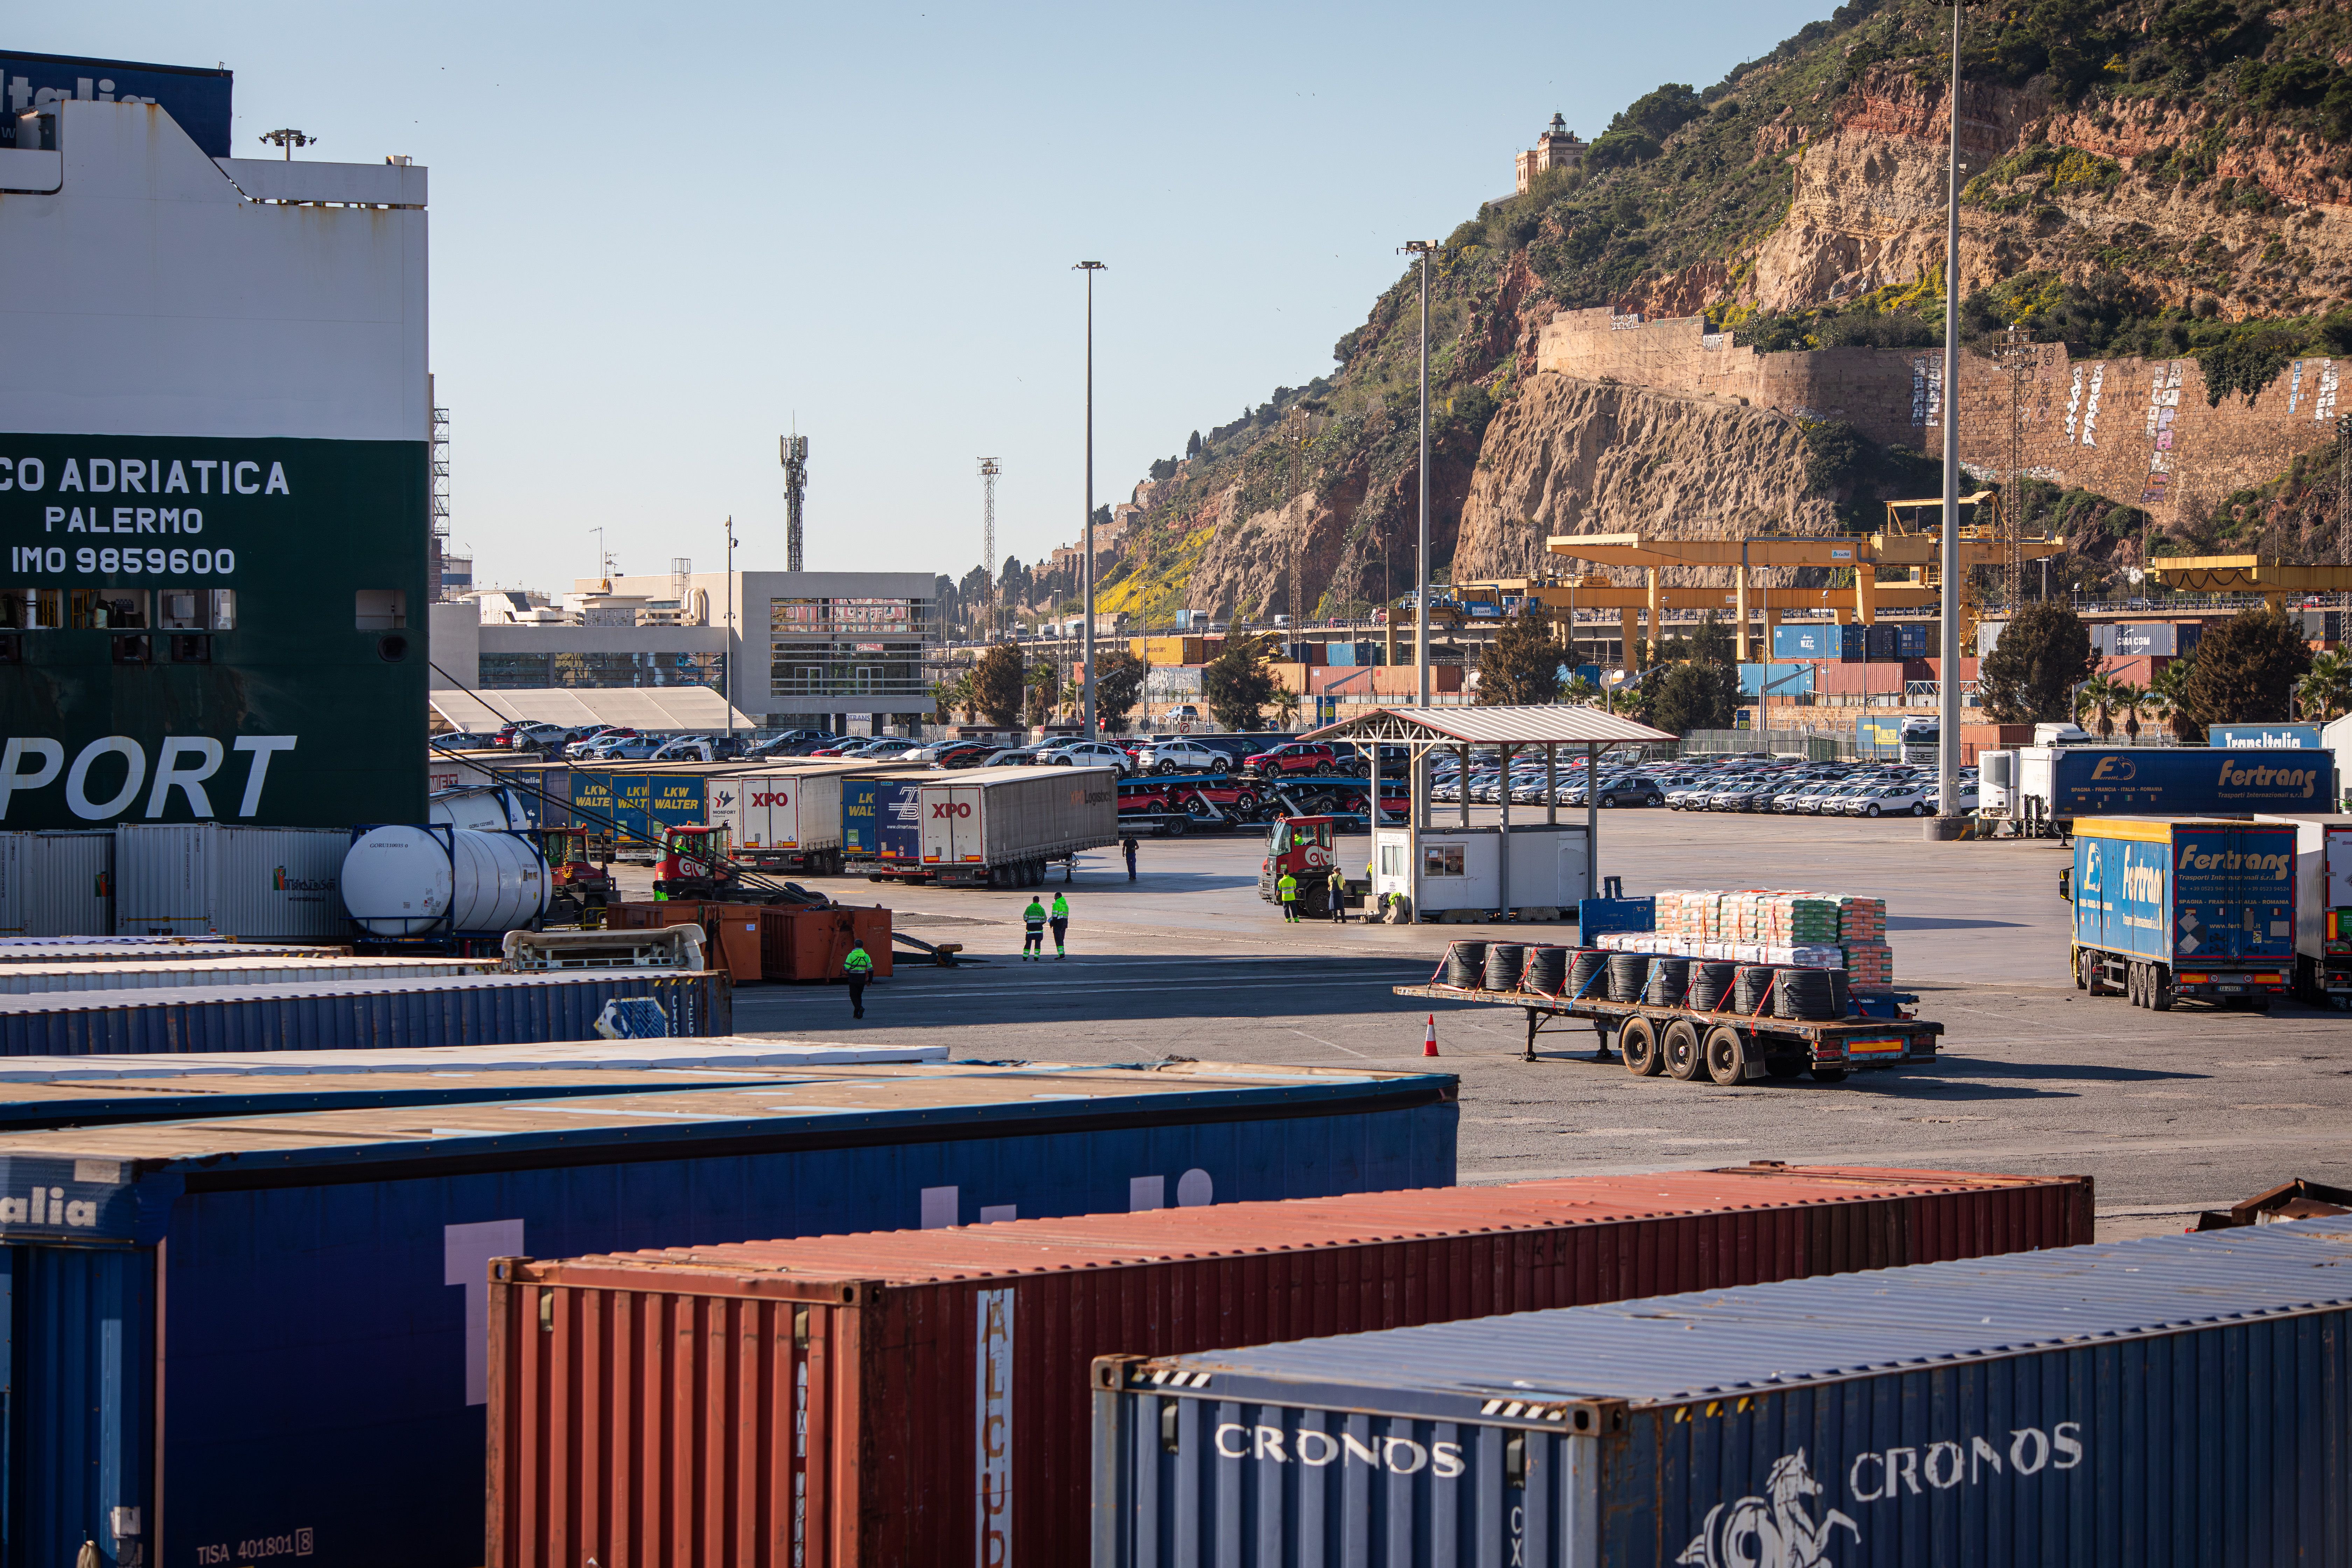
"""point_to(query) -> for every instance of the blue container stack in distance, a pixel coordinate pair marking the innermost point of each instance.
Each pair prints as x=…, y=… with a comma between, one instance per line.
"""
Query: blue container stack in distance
x=1853, y=643
x=1911, y=640
x=450, y=1010
x=324, y=1274
x=1878, y=641
x=1820, y=642
x=2179, y=1399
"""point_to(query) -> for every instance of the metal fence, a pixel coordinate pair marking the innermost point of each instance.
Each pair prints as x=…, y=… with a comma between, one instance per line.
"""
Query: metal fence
x=1814, y=745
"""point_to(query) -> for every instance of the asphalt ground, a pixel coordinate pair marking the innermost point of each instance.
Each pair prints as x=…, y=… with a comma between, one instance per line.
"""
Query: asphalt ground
x=2171, y=1113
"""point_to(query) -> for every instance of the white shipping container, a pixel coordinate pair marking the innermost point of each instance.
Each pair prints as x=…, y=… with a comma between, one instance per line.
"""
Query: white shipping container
x=57, y=884
x=31, y=979
x=771, y=815
x=207, y=879
x=989, y=818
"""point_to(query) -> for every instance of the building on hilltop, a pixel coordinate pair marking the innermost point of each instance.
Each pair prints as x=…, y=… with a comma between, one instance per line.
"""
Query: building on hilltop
x=1557, y=148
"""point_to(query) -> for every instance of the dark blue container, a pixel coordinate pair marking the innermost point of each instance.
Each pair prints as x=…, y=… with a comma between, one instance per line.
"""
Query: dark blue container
x=318, y=1346
x=1911, y=641
x=1853, y=643
x=2177, y=1400
x=1594, y=916
x=448, y=1010
x=1878, y=640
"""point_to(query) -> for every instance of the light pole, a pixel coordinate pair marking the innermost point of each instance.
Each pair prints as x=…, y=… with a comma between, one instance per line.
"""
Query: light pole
x=734, y=654
x=1423, y=249
x=1945, y=823
x=1088, y=645
x=286, y=140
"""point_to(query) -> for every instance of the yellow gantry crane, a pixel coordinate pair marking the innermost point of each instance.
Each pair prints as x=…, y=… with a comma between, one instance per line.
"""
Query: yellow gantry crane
x=1896, y=568
x=2275, y=581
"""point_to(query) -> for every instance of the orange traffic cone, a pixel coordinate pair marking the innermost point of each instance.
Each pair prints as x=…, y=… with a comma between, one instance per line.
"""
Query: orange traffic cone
x=1429, y=1040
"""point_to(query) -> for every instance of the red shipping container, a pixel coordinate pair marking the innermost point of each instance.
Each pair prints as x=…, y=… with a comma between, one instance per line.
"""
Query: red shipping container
x=921, y=1397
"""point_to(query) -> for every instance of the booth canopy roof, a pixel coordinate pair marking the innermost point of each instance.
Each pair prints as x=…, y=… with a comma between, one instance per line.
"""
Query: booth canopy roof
x=1562, y=724
x=687, y=708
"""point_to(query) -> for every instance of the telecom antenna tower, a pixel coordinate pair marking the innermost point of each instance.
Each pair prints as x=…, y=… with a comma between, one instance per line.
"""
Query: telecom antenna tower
x=793, y=452
x=988, y=472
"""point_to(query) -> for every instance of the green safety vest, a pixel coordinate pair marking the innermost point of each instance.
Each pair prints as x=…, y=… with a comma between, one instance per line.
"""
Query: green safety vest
x=859, y=962
x=1034, y=914
x=1287, y=887
x=1061, y=908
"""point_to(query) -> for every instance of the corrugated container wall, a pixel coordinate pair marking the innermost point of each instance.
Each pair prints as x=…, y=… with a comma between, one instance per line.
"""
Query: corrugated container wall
x=2175, y=1400
x=939, y=1377
x=457, y=1010
x=326, y=1274
x=57, y=884
x=207, y=879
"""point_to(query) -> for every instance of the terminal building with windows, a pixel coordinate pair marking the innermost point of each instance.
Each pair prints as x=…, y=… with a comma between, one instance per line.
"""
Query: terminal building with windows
x=834, y=650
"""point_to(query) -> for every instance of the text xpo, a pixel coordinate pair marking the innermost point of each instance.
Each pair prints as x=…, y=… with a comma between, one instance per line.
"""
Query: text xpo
x=949, y=808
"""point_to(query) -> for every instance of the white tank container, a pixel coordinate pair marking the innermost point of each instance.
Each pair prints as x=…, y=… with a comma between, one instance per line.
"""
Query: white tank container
x=484, y=809
x=411, y=881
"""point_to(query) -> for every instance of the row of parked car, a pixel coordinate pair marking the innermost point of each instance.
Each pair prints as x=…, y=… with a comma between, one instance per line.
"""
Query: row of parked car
x=1622, y=781
x=1217, y=756
x=1864, y=789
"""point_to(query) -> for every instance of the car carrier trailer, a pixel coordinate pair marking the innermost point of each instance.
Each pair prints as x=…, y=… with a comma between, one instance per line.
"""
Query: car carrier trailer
x=1725, y=1046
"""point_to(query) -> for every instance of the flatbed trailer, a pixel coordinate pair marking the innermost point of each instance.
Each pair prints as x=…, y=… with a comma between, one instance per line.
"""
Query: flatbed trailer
x=1723, y=1046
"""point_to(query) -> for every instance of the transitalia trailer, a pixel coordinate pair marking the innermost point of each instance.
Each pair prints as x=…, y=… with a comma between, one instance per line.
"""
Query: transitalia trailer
x=2173, y=907
x=1724, y=1046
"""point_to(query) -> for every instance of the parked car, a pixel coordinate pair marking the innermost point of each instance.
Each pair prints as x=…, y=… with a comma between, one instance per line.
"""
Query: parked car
x=1088, y=755
x=1182, y=755
x=794, y=743
x=1296, y=757
x=1631, y=789
x=956, y=754
x=1889, y=800
x=466, y=740
x=541, y=737
x=619, y=748
x=1012, y=757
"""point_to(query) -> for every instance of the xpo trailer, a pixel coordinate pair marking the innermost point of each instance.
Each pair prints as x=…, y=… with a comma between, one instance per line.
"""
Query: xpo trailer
x=2166, y=908
x=997, y=827
x=782, y=822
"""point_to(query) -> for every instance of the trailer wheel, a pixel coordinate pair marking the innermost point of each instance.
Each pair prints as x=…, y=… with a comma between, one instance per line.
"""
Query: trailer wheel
x=1175, y=827
x=1829, y=1075
x=2081, y=971
x=2159, y=988
x=1724, y=1056
x=1685, y=1058
x=1637, y=1044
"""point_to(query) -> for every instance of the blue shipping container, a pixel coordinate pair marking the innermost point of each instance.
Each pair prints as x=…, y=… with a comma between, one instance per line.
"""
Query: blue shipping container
x=2194, y=896
x=643, y=805
x=1807, y=642
x=2175, y=1400
x=1911, y=641
x=1786, y=679
x=454, y=1010
x=196, y=100
x=1853, y=643
x=326, y=1276
x=2183, y=780
x=1878, y=641
x=879, y=819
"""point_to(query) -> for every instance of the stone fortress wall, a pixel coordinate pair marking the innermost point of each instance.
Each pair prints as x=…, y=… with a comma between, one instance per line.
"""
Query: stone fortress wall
x=2135, y=430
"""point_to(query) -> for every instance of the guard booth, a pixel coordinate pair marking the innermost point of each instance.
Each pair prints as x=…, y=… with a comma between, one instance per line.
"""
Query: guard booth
x=1465, y=872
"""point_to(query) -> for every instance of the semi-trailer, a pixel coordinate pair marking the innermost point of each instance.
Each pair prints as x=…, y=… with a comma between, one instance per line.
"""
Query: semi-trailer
x=782, y=822
x=994, y=828
x=2323, y=908
x=2173, y=907
x=2051, y=786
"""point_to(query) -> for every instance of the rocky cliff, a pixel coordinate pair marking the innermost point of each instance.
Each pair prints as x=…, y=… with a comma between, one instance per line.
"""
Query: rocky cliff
x=2144, y=180
x=1579, y=457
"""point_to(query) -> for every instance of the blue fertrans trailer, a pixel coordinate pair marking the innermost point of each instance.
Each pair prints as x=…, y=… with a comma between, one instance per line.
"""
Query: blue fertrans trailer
x=2172, y=907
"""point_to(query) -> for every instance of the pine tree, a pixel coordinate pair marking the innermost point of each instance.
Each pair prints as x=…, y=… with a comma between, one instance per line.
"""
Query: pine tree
x=1521, y=669
x=1238, y=685
x=999, y=682
x=2247, y=669
x=2031, y=674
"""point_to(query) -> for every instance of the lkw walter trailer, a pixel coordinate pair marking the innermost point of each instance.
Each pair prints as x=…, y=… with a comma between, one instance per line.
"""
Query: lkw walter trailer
x=2166, y=908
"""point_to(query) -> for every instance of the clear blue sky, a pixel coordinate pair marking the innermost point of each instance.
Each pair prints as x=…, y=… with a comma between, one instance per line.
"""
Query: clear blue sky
x=657, y=234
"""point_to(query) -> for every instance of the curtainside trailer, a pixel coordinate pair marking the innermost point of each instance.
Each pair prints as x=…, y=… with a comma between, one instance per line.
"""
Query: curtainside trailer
x=2167, y=907
x=782, y=822
x=2047, y=787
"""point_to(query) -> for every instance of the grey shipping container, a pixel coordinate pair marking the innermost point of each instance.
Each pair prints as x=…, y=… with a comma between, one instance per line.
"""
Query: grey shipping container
x=318, y=1284
x=2179, y=1399
x=151, y=949
x=231, y=968
x=207, y=878
x=991, y=824
x=455, y=1010
x=57, y=884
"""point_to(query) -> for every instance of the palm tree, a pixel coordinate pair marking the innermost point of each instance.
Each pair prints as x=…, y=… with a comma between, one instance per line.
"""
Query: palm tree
x=1579, y=689
x=2326, y=690
x=2167, y=700
x=2129, y=701
x=2094, y=705
x=1286, y=706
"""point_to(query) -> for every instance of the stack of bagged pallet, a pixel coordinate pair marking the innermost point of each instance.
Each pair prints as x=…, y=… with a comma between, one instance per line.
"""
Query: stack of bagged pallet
x=1756, y=925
